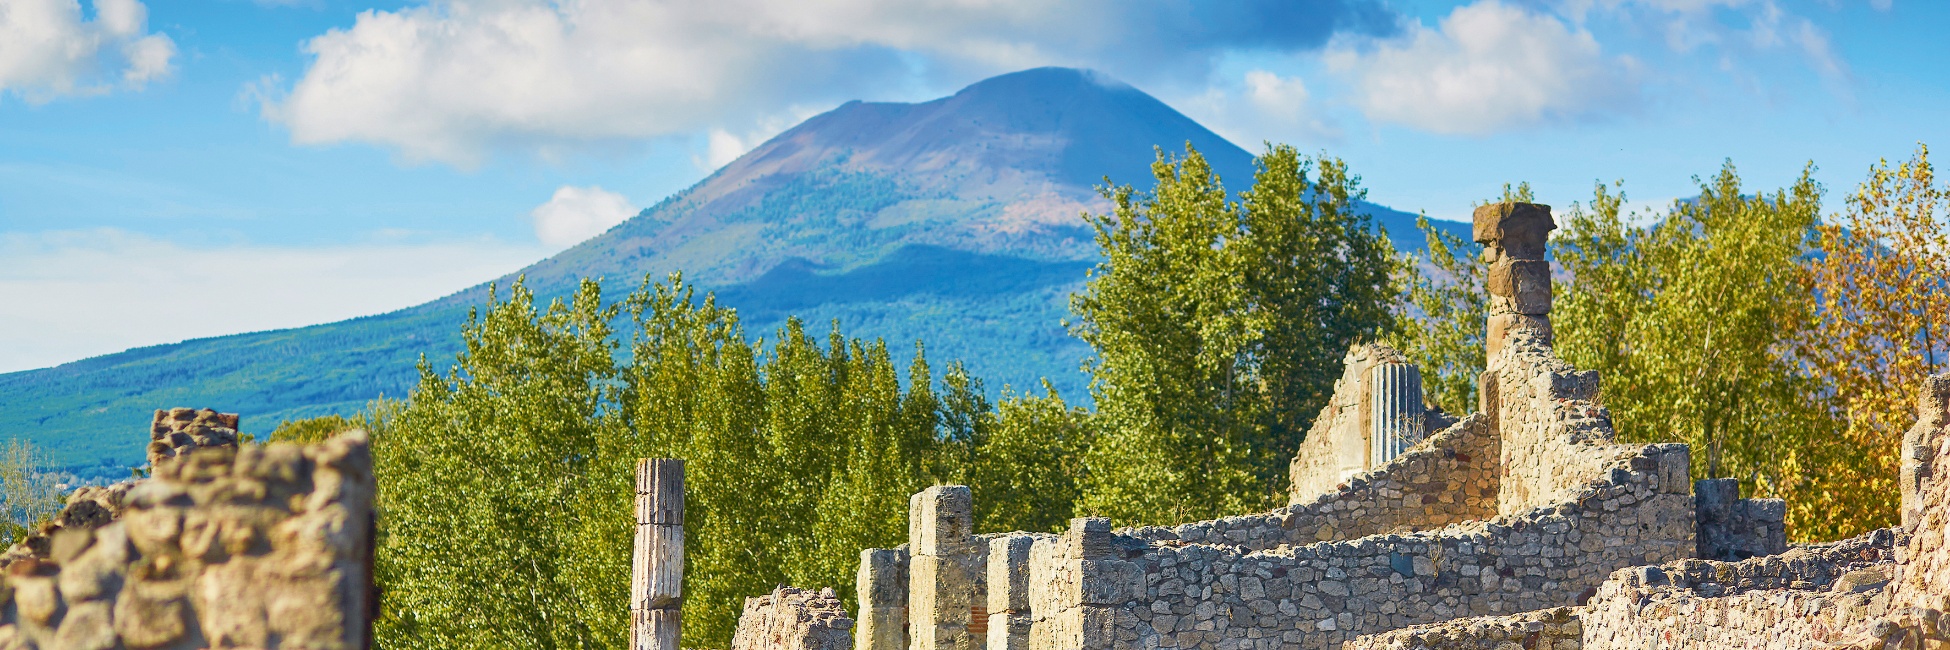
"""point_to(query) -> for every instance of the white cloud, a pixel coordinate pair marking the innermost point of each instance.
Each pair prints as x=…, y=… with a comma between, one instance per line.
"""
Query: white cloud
x=1263, y=105
x=75, y=294
x=1736, y=28
x=578, y=213
x=47, y=49
x=455, y=80
x=1487, y=67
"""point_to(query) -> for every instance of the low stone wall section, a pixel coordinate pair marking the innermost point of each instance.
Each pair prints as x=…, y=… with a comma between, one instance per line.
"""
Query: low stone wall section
x=794, y=619
x=260, y=547
x=1093, y=589
x=1451, y=477
x=1557, y=628
x=1555, y=436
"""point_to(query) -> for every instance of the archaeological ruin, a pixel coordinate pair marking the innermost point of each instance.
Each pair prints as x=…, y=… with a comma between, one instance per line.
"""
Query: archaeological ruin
x=1522, y=526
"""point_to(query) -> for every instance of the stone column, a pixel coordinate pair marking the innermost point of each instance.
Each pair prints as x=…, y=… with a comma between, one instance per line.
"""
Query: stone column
x=1396, y=415
x=882, y=584
x=945, y=571
x=657, y=566
x=1513, y=236
x=1008, y=587
x=1076, y=583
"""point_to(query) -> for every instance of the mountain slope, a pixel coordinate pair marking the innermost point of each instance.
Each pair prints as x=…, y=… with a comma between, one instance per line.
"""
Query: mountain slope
x=954, y=222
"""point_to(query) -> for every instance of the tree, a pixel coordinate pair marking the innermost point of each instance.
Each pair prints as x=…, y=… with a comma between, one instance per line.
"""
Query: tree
x=1218, y=327
x=1027, y=471
x=28, y=495
x=481, y=479
x=1692, y=323
x=1882, y=281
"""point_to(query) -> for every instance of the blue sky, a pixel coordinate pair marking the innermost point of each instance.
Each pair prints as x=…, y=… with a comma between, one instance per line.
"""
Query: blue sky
x=180, y=168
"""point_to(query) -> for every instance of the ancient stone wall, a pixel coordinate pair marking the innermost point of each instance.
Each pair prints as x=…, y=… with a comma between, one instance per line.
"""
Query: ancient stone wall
x=178, y=431
x=1093, y=589
x=1448, y=478
x=1375, y=413
x=1923, y=574
x=793, y=619
x=258, y=547
x=1806, y=598
x=1557, y=628
x=1732, y=528
x=1008, y=590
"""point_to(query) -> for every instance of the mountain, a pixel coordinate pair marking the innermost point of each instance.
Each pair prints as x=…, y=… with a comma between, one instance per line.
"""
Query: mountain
x=953, y=222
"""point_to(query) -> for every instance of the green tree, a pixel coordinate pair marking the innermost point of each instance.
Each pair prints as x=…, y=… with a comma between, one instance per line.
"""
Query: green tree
x=1217, y=327
x=1692, y=323
x=1026, y=472
x=28, y=495
x=480, y=481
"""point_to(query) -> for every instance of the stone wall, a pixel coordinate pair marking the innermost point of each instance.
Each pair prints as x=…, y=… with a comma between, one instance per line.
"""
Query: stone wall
x=1809, y=597
x=882, y=586
x=1447, y=478
x=259, y=547
x=1557, y=628
x=1094, y=589
x=947, y=594
x=793, y=619
x=1923, y=574
x=1375, y=413
x=178, y=431
x=1732, y=528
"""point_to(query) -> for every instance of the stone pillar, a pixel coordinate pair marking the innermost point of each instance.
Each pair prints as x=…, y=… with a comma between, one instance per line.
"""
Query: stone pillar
x=1513, y=236
x=946, y=571
x=1396, y=415
x=657, y=565
x=1008, y=587
x=1076, y=583
x=1730, y=528
x=882, y=584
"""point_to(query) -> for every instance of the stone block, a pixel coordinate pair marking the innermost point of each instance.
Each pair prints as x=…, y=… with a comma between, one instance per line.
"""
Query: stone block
x=1089, y=538
x=940, y=521
x=1008, y=631
x=1675, y=468
x=881, y=628
x=1008, y=574
x=1524, y=286
x=882, y=579
x=1109, y=582
x=940, y=592
x=1519, y=229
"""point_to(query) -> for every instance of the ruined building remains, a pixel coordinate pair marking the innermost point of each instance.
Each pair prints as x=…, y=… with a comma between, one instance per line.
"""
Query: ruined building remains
x=1524, y=525
x=224, y=547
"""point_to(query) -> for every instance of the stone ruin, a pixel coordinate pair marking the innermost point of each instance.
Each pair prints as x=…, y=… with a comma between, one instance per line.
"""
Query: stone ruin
x=794, y=619
x=225, y=546
x=1524, y=525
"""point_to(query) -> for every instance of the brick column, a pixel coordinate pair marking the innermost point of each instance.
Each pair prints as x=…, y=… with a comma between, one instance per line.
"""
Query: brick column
x=882, y=584
x=1513, y=236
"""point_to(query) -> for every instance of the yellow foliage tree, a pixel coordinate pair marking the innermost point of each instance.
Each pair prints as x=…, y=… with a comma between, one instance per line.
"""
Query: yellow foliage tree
x=1882, y=280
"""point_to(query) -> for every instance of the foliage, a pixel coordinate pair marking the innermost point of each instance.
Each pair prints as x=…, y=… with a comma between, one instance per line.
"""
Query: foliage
x=28, y=495
x=1883, y=284
x=1217, y=327
x=1028, y=469
x=1443, y=318
x=312, y=430
x=516, y=468
x=1692, y=323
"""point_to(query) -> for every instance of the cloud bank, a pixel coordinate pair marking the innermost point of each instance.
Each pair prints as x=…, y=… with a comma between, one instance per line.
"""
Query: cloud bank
x=48, y=50
x=456, y=80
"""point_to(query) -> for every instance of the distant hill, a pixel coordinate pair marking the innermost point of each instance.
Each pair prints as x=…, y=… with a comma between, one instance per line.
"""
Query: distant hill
x=954, y=222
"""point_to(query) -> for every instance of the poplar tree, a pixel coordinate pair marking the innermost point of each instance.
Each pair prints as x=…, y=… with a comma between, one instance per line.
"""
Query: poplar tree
x=1217, y=327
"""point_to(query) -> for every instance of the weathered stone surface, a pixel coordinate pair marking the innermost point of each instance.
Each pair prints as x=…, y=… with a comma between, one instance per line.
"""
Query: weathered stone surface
x=1519, y=230
x=793, y=619
x=178, y=431
x=882, y=585
x=1520, y=287
x=261, y=547
x=1732, y=528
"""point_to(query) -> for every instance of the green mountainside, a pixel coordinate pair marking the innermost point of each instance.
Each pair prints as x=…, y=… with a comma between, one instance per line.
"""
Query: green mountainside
x=953, y=222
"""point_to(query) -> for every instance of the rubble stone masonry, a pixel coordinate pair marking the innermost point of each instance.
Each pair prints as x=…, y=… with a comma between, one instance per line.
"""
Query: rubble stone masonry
x=254, y=547
x=793, y=619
